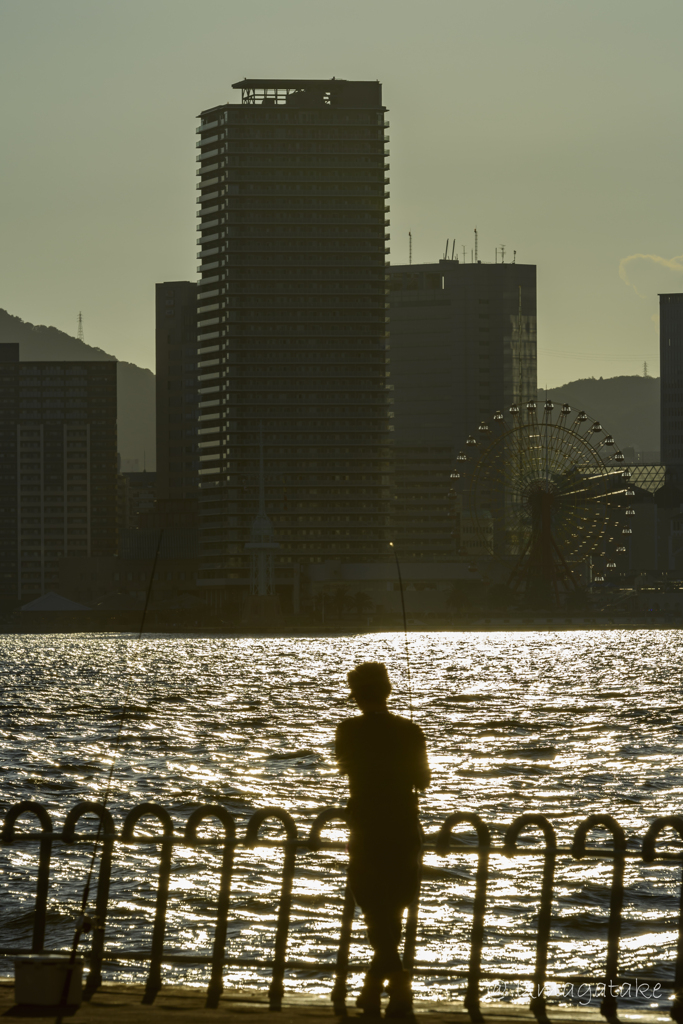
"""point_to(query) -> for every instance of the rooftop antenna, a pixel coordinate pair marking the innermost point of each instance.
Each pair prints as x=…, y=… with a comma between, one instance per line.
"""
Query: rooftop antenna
x=80, y=328
x=502, y=254
x=464, y=254
x=496, y=257
x=445, y=255
x=476, y=246
x=453, y=250
x=410, y=248
x=514, y=255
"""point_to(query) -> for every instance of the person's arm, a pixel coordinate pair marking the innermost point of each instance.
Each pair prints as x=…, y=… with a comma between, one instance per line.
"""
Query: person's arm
x=340, y=749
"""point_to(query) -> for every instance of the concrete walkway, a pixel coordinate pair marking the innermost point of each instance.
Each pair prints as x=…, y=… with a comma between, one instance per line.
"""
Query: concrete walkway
x=121, y=1004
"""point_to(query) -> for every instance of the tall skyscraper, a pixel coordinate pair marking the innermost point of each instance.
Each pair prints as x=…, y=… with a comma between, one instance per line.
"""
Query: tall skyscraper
x=58, y=452
x=462, y=345
x=291, y=329
x=176, y=392
x=671, y=377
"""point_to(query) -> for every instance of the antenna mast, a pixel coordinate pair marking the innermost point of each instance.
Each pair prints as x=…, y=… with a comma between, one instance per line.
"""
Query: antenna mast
x=502, y=254
x=476, y=246
x=80, y=328
x=410, y=248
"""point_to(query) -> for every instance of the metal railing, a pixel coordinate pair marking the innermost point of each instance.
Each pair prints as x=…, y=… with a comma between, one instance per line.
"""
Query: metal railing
x=442, y=843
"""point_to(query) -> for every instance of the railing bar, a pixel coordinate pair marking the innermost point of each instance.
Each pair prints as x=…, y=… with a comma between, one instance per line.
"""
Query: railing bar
x=472, y=851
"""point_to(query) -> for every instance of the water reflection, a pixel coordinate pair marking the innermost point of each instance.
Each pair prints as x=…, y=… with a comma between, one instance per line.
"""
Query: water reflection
x=565, y=724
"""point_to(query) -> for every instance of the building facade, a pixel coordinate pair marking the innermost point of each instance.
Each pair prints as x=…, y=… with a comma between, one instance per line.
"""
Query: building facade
x=58, y=451
x=176, y=392
x=462, y=345
x=671, y=383
x=291, y=323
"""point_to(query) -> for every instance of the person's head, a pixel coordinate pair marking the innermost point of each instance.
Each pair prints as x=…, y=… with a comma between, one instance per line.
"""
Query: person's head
x=369, y=684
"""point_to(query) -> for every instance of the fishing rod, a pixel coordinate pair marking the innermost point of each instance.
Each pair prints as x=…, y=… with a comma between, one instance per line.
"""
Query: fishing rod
x=405, y=627
x=84, y=922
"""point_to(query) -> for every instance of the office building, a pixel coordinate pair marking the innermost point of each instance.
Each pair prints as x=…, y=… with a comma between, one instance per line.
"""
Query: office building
x=58, y=451
x=176, y=391
x=291, y=324
x=462, y=345
x=140, y=493
x=671, y=383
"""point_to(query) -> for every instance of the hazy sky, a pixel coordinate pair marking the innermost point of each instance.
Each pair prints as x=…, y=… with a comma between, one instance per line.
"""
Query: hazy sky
x=553, y=126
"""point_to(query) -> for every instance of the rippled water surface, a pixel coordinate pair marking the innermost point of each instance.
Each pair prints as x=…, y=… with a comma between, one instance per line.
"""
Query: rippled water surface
x=562, y=723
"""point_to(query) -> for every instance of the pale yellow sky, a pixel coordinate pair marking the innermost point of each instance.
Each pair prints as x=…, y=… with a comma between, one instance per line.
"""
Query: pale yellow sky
x=554, y=126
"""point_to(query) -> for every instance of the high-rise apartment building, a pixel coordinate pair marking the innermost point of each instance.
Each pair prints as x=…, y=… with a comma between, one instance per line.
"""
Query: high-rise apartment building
x=671, y=378
x=291, y=323
x=176, y=392
x=462, y=345
x=58, y=453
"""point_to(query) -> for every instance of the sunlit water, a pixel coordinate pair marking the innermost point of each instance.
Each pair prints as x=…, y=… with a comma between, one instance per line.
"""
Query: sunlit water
x=562, y=723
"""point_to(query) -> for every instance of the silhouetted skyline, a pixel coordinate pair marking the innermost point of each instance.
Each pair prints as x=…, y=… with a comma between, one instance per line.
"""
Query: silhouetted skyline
x=547, y=126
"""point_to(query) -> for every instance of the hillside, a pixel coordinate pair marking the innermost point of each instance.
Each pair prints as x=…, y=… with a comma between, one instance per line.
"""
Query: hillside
x=627, y=407
x=136, y=391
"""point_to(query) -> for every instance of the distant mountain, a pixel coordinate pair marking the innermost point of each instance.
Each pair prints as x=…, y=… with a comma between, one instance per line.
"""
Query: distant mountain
x=136, y=386
x=627, y=407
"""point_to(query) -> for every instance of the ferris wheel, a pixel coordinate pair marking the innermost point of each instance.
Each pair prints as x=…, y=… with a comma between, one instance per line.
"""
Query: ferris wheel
x=548, y=494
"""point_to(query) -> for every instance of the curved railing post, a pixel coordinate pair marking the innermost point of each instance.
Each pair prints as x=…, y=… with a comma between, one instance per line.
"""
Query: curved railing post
x=107, y=833
x=608, y=1007
x=674, y=821
x=277, y=988
x=443, y=845
x=339, y=990
x=150, y=810
x=519, y=825
x=228, y=822
x=8, y=836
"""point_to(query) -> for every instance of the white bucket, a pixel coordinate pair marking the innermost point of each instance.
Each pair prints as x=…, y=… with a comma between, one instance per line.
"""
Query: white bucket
x=39, y=979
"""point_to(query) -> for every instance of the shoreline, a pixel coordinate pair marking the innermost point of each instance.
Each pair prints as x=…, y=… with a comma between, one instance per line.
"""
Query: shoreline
x=479, y=624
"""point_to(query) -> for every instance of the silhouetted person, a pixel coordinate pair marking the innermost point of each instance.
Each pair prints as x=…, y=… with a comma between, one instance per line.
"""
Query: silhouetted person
x=385, y=758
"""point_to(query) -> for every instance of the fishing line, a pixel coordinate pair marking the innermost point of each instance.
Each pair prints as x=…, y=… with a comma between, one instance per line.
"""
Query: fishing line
x=405, y=628
x=84, y=923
